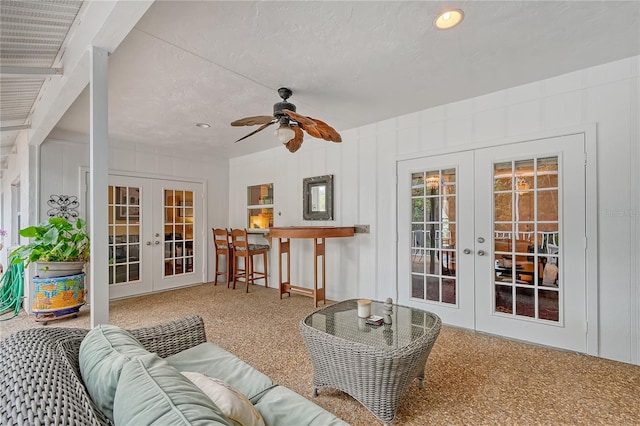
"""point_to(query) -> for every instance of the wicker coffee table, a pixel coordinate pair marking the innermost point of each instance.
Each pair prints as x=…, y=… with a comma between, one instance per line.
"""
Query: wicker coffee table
x=373, y=364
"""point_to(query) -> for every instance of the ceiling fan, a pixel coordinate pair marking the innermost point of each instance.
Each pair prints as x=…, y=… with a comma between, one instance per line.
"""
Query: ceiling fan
x=291, y=124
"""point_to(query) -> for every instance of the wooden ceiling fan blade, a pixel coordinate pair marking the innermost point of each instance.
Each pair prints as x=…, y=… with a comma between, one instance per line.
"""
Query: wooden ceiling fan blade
x=313, y=131
x=294, y=144
x=252, y=121
x=316, y=128
x=264, y=126
x=301, y=119
x=328, y=133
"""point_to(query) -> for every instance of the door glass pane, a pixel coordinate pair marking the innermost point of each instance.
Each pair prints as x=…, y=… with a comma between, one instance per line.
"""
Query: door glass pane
x=124, y=233
x=178, y=237
x=504, y=299
x=548, y=205
x=418, y=209
x=525, y=302
x=547, y=172
x=549, y=305
x=502, y=203
x=449, y=182
x=432, y=209
x=417, y=184
x=432, y=182
x=503, y=177
x=433, y=289
x=417, y=286
x=526, y=238
x=524, y=206
x=433, y=235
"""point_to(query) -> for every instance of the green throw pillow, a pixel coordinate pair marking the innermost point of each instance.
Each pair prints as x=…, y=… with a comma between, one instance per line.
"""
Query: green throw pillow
x=152, y=392
x=103, y=353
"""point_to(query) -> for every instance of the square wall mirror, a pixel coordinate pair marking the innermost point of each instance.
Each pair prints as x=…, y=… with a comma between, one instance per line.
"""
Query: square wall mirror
x=317, y=198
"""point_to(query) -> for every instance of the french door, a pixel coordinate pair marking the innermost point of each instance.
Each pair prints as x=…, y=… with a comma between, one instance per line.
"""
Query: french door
x=494, y=239
x=155, y=235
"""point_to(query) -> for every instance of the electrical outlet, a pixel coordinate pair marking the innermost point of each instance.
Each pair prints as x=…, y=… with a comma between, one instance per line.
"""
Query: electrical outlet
x=361, y=229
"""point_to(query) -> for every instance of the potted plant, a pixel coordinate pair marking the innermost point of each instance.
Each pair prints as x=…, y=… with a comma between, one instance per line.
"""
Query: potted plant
x=58, y=247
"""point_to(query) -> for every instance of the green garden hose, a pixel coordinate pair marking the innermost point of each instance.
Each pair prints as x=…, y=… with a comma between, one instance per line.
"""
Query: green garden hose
x=11, y=290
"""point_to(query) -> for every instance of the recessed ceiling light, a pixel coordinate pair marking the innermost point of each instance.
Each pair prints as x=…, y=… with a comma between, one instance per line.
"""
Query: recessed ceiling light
x=203, y=125
x=449, y=19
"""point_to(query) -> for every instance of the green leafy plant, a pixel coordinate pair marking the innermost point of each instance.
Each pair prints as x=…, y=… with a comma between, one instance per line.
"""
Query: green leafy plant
x=56, y=240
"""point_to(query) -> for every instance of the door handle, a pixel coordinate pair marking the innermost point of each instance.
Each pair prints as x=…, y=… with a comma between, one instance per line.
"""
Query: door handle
x=481, y=253
x=480, y=239
x=156, y=242
x=466, y=251
x=148, y=243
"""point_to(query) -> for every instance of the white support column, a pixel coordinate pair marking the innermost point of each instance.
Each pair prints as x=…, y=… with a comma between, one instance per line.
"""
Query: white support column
x=30, y=210
x=99, y=166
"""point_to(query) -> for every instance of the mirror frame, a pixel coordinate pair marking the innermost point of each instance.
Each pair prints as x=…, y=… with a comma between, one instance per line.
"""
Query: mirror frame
x=307, y=184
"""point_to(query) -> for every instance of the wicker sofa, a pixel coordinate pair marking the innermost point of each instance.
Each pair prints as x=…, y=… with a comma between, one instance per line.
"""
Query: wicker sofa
x=41, y=383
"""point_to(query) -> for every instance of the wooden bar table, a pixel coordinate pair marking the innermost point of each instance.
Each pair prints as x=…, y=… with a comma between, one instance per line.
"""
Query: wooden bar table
x=319, y=234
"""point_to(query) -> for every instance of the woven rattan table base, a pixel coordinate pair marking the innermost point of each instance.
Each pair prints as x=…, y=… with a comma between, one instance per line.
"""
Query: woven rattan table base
x=374, y=373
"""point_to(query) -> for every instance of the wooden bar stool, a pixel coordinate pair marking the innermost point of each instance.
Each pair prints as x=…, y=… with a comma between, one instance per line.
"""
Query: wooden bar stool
x=223, y=248
x=243, y=250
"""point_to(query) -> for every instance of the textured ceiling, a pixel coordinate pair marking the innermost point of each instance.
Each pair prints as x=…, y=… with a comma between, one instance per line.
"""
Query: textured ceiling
x=348, y=63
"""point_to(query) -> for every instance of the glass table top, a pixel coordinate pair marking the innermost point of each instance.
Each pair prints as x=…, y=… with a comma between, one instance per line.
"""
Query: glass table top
x=341, y=320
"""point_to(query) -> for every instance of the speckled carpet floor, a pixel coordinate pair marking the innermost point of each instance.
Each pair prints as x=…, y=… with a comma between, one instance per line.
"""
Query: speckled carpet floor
x=471, y=378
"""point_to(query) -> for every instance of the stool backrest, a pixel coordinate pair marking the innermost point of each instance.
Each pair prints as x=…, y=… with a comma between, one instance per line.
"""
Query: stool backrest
x=239, y=239
x=221, y=238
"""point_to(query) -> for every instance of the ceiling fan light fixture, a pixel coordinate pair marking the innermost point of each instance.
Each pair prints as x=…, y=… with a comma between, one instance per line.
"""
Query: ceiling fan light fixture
x=291, y=124
x=448, y=19
x=285, y=133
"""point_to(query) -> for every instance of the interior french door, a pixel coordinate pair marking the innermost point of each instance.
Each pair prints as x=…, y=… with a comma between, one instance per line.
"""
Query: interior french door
x=435, y=196
x=155, y=235
x=494, y=239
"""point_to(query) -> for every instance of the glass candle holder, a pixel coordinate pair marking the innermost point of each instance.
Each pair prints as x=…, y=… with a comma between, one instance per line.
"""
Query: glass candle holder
x=364, y=308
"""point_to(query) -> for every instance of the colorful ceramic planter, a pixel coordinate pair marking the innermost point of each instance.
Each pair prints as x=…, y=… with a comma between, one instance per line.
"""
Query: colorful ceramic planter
x=58, y=294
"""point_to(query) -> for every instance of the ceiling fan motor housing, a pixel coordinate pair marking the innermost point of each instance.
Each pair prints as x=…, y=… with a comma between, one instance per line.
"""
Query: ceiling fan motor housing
x=277, y=108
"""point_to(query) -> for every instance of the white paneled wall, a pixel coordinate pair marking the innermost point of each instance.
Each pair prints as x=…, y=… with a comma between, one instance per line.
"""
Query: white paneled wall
x=364, y=168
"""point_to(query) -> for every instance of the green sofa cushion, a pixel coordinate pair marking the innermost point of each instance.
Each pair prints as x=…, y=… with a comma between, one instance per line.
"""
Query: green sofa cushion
x=103, y=353
x=151, y=392
x=283, y=407
x=213, y=361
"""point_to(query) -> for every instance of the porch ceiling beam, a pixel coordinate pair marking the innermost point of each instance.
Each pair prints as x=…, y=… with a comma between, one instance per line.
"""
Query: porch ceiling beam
x=8, y=71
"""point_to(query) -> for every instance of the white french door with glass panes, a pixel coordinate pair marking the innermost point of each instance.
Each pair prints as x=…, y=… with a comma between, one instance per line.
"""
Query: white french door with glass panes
x=494, y=239
x=155, y=235
x=179, y=210
x=434, y=221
